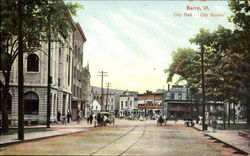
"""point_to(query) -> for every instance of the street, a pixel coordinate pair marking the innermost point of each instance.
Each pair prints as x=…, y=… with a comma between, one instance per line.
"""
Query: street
x=127, y=137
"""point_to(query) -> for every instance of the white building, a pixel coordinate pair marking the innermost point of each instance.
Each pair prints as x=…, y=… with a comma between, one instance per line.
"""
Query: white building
x=95, y=107
x=128, y=105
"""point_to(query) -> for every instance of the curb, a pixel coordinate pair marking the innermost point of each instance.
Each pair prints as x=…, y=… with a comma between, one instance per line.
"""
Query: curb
x=230, y=145
x=197, y=129
x=35, y=139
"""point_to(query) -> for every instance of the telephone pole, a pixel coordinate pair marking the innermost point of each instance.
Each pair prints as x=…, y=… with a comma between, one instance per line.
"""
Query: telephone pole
x=20, y=71
x=49, y=77
x=107, y=95
x=102, y=75
x=203, y=89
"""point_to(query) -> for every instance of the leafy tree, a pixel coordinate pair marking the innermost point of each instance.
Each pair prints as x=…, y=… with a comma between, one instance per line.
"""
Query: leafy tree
x=35, y=23
x=241, y=47
x=184, y=65
x=218, y=113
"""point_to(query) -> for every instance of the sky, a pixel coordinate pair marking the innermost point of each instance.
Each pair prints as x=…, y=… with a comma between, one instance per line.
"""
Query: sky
x=133, y=40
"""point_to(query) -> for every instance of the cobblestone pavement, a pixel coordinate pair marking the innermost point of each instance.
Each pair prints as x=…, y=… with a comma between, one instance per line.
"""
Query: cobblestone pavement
x=126, y=138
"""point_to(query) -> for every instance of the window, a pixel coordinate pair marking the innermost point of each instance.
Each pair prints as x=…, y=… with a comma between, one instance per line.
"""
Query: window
x=4, y=59
x=60, y=53
x=31, y=103
x=9, y=103
x=59, y=82
x=121, y=104
x=130, y=103
x=126, y=103
x=32, y=63
x=179, y=96
x=172, y=96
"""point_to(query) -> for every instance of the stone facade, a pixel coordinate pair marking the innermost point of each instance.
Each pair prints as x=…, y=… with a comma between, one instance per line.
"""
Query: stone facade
x=77, y=77
x=86, y=99
x=35, y=81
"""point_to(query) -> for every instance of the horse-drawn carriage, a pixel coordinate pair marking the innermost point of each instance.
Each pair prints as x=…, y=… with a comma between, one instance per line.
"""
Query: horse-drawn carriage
x=104, y=118
x=189, y=122
x=161, y=120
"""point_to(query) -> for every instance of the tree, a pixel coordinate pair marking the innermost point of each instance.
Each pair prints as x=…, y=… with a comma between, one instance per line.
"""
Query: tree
x=34, y=30
x=184, y=65
x=218, y=113
x=241, y=19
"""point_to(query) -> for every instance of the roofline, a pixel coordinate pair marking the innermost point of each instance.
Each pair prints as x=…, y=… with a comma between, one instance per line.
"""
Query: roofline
x=81, y=31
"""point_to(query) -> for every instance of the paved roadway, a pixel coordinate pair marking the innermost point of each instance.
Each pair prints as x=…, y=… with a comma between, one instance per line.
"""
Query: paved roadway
x=127, y=138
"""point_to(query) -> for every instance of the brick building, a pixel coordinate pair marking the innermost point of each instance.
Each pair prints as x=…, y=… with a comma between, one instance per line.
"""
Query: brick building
x=150, y=104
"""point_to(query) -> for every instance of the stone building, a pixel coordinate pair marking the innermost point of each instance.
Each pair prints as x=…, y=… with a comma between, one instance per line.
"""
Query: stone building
x=78, y=73
x=36, y=78
x=86, y=97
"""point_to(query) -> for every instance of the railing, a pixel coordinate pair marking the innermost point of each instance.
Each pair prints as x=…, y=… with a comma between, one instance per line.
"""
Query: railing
x=149, y=106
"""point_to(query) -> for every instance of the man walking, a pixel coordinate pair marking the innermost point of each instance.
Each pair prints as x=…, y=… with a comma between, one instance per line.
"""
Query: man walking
x=90, y=118
x=214, y=124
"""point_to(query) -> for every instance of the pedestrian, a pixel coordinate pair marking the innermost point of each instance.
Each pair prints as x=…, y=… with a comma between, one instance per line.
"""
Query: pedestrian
x=91, y=118
x=88, y=120
x=68, y=116
x=64, y=119
x=78, y=116
x=58, y=116
x=214, y=124
x=95, y=120
x=99, y=119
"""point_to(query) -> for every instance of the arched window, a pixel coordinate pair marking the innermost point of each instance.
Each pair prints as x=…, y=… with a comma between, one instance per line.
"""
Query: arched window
x=32, y=63
x=9, y=103
x=31, y=103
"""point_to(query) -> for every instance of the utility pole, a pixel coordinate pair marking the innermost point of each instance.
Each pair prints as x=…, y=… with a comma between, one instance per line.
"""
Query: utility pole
x=20, y=72
x=203, y=88
x=102, y=75
x=49, y=77
x=107, y=95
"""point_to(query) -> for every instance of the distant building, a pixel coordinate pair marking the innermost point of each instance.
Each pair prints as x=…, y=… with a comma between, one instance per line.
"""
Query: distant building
x=178, y=106
x=128, y=104
x=95, y=107
x=86, y=97
x=150, y=104
x=111, y=103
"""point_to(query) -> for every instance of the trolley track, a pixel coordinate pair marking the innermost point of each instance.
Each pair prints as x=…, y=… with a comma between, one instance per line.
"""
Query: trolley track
x=113, y=141
x=143, y=133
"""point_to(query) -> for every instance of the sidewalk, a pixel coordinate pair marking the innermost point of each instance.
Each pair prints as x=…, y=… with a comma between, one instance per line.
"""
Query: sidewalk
x=56, y=130
x=229, y=137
